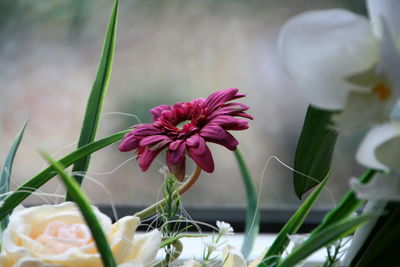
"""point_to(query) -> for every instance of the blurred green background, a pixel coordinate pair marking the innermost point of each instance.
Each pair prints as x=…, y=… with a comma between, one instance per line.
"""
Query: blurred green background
x=167, y=51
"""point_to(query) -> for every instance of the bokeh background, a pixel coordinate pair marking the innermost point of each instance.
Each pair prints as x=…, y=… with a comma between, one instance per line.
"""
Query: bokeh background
x=166, y=52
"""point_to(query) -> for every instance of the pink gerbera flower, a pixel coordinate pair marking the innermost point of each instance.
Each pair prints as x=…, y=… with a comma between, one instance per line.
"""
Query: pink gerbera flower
x=184, y=128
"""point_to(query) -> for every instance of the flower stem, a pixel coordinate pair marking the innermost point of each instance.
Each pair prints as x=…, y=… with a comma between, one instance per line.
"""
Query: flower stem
x=151, y=210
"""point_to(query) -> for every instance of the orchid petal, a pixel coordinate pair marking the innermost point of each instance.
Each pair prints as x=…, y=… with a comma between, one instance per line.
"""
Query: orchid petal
x=361, y=111
x=321, y=48
x=382, y=187
x=379, y=149
x=387, y=10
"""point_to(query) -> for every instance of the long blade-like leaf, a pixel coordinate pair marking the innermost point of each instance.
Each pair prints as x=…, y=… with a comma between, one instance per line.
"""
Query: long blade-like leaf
x=323, y=238
x=282, y=240
x=252, y=225
x=6, y=172
x=97, y=95
x=86, y=209
x=381, y=245
x=349, y=204
x=44, y=176
x=314, y=150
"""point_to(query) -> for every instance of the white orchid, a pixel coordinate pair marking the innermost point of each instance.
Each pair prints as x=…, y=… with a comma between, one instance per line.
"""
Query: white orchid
x=344, y=62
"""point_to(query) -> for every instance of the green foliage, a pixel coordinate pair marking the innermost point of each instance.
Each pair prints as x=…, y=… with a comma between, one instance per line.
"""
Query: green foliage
x=97, y=95
x=346, y=207
x=382, y=246
x=169, y=216
x=6, y=172
x=314, y=150
x=334, y=253
x=323, y=238
x=252, y=225
x=14, y=199
x=282, y=240
x=86, y=209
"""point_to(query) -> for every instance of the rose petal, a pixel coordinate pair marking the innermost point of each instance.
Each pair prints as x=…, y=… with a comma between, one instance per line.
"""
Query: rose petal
x=145, y=248
x=321, y=48
x=122, y=234
x=232, y=257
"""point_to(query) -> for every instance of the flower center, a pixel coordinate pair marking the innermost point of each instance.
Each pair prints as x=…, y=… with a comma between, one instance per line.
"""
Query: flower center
x=59, y=237
x=183, y=124
x=382, y=91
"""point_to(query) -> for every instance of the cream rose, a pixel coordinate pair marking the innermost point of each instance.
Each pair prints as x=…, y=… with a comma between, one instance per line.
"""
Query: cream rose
x=56, y=235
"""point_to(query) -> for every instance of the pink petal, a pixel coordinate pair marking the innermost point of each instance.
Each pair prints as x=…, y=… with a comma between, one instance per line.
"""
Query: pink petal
x=230, y=123
x=153, y=139
x=176, y=159
x=204, y=160
x=216, y=134
x=146, y=129
x=196, y=143
x=146, y=158
x=231, y=109
x=221, y=97
x=129, y=143
x=157, y=111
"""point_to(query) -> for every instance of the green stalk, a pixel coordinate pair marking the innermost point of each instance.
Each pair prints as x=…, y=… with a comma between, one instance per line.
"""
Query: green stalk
x=44, y=176
x=252, y=226
x=347, y=206
x=151, y=210
x=86, y=209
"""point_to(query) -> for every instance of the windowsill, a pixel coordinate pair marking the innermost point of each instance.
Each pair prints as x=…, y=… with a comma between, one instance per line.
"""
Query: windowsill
x=192, y=248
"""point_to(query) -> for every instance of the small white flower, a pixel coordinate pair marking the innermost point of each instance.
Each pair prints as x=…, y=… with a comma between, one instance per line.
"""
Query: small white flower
x=164, y=171
x=211, y=246
x=224, y=228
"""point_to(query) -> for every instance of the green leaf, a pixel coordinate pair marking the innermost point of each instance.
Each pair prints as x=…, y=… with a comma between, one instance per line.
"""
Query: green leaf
x=6, y=172
x=325, y=237
x=86, y=209
x=347, y=205
x=252, y=225
x=314, y=150
x=97, y=95
x=13, y=200
x=282, y=240
x=381, y=246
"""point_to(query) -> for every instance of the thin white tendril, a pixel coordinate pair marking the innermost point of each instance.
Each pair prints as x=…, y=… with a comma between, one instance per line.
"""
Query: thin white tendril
x=113, y=170
x=261, y=183
x=42, y=195
x=58, y=151
x=123, y=114
x=88, y=178
x=32, y=189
